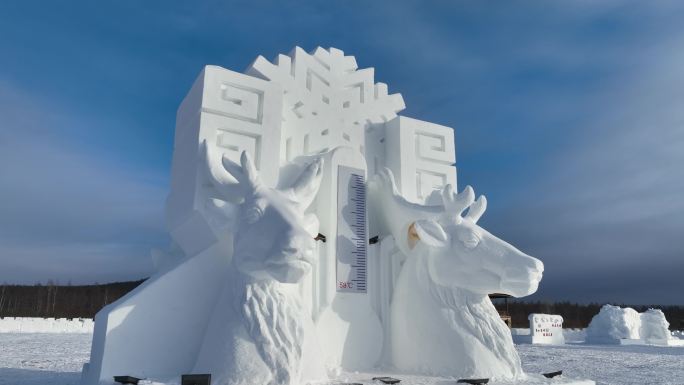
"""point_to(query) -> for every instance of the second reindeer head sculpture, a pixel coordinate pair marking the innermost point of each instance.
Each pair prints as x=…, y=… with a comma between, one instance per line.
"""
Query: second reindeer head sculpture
x=461, y=253
x=442, y=319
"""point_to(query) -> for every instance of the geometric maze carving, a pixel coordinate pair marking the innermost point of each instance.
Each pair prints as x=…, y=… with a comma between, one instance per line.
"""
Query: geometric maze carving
x=431, y=151
x=242, y=113
x=428, y=181
x=421, y=155
x=433, y=147
x=233, y=112
x=239, y=102
x=232, y=143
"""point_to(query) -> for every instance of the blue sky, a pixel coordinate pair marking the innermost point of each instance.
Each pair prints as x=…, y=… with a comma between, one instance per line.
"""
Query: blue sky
x=568, y=116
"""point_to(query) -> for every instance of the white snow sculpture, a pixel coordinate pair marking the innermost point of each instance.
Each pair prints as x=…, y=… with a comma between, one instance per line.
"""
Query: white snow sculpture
x=654, y=327
x=442, y=319
x=261, y=333
x=613, y=324
x=315, y=109
x=616, y=325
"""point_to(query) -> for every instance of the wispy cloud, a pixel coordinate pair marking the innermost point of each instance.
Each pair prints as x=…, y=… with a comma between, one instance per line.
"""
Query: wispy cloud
x=65, y=212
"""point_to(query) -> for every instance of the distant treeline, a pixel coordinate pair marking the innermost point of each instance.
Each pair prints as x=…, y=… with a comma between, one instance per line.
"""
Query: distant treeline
x=51, y=300
x=578, y=315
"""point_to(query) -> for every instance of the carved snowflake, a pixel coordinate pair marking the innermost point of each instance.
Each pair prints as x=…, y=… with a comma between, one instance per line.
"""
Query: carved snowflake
x=327, y=100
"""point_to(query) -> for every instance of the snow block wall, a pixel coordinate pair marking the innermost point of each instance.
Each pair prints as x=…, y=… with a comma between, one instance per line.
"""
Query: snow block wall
x=654, y=326
x=612, y=324
x=546, y=329
x=45, y=325
x=157, y=329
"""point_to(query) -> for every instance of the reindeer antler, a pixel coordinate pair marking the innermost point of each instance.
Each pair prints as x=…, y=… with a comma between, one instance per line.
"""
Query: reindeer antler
x=232, y=181
x=456, y=204
x=425, y=221
x=477, y=209
x=306, y=186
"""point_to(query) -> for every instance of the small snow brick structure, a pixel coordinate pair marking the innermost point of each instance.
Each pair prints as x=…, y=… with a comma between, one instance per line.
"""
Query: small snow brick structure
x=613, y=324
x=626, y=326
x=546, y=329
x=654, y=327
x=281, y=178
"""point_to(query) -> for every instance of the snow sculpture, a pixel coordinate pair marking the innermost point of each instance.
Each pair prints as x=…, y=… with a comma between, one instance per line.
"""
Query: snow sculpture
x=246, y=294
x=546, y=329
x=616, y=325
x=260, y=332
x=654, y=326
x=612, y=324
x=442, y=319
x=332, y=108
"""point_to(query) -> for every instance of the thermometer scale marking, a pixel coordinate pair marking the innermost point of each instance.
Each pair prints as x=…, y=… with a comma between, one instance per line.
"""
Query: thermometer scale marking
x=352, y=237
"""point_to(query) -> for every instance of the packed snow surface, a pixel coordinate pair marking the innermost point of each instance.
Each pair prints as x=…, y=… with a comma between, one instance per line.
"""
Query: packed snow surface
x=56, y=359
x=43, y=359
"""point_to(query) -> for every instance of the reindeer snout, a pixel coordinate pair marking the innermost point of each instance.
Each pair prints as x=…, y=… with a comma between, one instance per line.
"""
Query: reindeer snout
x=523, y=275
x=533, y=264
x=297, y=246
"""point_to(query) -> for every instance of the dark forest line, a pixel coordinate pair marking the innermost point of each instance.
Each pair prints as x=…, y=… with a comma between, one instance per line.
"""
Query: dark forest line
x=579, y=315
x=60, y=301
x=57, y=301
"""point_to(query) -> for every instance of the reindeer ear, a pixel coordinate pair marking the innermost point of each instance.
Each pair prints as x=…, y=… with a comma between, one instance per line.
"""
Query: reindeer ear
x=427, y=231
x=388, y=178
x=477, y=209
x=306, y=186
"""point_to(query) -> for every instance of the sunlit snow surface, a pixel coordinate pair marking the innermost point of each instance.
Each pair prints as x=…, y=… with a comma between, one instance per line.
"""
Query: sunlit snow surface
x=56, y=359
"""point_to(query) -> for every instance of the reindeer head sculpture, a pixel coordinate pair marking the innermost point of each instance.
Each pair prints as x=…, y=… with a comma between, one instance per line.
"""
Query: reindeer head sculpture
x=460, y=254
x=275, y=239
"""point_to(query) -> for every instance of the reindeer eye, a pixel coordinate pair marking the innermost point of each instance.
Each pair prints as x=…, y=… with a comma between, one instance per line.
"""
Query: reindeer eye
x=470, y=239
x=472, y=242
x=254, y=210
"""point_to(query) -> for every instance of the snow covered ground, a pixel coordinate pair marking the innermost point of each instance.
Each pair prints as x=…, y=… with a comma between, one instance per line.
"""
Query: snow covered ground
x=608, y=364
x=56, y=359
x=43, y=359
x=46, y=325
